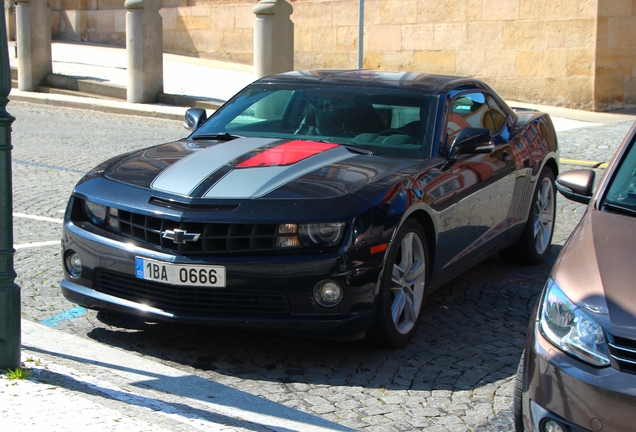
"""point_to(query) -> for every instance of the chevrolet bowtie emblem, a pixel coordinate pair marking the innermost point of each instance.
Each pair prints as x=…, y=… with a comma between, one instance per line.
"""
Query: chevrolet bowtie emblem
x=180, y=236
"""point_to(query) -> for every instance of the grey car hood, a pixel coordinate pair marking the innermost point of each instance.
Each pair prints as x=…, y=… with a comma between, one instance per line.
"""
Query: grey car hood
x=597, y=269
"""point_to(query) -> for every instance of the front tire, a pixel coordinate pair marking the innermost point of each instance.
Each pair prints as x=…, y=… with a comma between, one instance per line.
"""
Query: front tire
x=534, y=244
x=402, y=288
x=517, y=397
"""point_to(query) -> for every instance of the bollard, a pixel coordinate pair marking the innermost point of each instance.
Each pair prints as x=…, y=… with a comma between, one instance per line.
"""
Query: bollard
x=273, y=38
x=10, y=337
x=144, y=49
x=35, y=62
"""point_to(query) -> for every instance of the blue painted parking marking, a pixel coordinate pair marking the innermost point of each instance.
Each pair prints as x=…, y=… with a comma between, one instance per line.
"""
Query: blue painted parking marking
x=67, y=315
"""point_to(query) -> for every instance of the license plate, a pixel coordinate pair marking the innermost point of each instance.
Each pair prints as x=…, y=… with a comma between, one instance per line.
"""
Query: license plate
x=180, y=274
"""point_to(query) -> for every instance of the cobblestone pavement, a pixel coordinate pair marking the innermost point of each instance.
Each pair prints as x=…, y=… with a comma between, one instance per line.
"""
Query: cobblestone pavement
x=456, y=375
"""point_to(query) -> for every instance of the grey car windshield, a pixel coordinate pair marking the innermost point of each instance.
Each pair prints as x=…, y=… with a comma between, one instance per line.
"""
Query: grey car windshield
x=382, y=121
x=621, y=193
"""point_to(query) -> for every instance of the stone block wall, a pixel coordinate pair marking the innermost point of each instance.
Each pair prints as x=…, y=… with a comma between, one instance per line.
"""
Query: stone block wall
x=572, y=53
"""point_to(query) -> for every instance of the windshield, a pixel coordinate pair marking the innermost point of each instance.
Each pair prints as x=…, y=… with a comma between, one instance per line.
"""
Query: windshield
x=622, y=187
x=382, y=121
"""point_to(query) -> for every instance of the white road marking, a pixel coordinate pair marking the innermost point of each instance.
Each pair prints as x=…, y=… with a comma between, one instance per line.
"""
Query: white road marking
x=36, y=244
x=40, y=218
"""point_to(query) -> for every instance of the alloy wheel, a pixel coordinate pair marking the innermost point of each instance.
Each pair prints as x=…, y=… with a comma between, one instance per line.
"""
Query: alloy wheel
x=407, y=283
x=544, y=215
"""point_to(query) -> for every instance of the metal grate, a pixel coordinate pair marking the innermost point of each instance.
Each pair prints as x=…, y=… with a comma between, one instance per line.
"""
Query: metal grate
x=191, y=300
x=215, y=238
x=623, y=351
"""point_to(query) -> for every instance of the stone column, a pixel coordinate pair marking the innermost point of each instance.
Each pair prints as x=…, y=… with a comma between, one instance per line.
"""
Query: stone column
x=273, y=37
x=35, y=62
x=144, y=48
x=9, y=17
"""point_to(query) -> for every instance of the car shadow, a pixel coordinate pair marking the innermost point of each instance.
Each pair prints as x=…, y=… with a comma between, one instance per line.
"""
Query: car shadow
x=472, y=334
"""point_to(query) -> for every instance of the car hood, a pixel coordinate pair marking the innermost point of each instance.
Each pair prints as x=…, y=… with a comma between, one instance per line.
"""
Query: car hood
x=246, y=168
x=596, y=269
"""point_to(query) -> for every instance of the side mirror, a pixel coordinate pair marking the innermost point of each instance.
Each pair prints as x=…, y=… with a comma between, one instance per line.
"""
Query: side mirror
x=576, y=185
x=194, y=117
x=472, y=141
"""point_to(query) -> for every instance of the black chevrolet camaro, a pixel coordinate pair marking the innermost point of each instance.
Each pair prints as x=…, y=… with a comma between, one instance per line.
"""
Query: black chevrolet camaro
x=326, y=203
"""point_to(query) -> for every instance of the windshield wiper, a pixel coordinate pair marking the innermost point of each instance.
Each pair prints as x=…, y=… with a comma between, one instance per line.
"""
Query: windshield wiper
x=225, y=136
x=621, y=209
x=357, y=149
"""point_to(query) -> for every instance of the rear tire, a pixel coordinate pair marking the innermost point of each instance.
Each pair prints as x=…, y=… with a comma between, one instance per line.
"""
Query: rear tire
x=534, y=244
x=402, y=288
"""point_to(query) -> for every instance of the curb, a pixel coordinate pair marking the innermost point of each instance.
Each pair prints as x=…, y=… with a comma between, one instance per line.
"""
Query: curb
x=169, y=112
x=578, y=162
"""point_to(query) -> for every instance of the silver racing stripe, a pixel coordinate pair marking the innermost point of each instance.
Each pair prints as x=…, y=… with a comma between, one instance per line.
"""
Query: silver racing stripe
x=258, y=181
x=184, y=176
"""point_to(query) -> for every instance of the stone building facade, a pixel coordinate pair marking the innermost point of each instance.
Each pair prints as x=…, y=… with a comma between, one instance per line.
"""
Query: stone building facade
x=571, y=53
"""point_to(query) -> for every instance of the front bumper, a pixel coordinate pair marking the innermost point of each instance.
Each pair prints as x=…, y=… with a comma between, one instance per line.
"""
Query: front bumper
x=268, y=292
x=583, y=397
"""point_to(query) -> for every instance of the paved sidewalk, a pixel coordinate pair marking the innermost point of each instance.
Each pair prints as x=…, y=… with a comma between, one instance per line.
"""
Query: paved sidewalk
x=188, y=76
x=78, y=384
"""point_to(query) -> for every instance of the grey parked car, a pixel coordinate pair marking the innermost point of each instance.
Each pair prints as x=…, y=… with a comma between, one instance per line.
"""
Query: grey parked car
x=578, y=370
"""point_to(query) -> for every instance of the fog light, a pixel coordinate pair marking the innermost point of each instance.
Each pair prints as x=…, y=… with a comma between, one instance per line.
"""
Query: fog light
x=554, y=426
x=73, y=265
x=328, y=293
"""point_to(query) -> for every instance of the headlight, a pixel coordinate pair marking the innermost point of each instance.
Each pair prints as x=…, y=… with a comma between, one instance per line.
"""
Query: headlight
x=571, y=329
x=320, y=234
x=309, y=235
x=95, y=212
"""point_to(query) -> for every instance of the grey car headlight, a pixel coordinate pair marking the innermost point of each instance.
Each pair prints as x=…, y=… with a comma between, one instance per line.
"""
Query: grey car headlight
x=571, y=329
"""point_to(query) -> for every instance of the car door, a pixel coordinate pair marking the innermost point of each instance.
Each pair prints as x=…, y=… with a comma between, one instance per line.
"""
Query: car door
x=482, y=184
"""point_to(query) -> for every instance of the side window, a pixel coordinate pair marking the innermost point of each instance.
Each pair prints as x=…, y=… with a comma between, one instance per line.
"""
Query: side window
x=468, y=110
x=498, y=115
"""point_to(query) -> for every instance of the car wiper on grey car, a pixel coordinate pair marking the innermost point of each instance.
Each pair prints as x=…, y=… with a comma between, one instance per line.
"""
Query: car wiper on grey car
x=619, y=208
x=225, y=136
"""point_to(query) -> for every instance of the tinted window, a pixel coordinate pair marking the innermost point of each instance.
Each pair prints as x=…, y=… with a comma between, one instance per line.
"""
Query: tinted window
x=498, y=114
x=468, y=111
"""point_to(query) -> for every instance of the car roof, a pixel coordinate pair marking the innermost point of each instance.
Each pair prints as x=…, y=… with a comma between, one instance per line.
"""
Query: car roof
x=426, y=82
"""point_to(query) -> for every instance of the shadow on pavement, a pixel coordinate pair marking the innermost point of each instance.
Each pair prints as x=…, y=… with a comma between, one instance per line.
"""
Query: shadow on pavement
x=228, y=406
x=472, y=334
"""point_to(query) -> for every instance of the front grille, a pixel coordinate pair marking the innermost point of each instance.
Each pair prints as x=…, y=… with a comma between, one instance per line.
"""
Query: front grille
x=215, y=238
x=623, y=351
x=191, y=299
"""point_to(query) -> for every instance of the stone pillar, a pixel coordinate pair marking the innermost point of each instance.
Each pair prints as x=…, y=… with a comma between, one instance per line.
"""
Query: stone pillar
x=273, y=37
x=9, y=17
x=144, y=47
x=35, y=62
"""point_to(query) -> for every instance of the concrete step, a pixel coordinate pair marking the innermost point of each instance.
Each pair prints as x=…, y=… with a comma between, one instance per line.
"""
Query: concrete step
x=185, y=101
x=86, y=86
x=54, y=90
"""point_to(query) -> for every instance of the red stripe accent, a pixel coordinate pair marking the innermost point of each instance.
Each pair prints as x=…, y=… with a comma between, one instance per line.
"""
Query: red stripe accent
x=286, y=154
